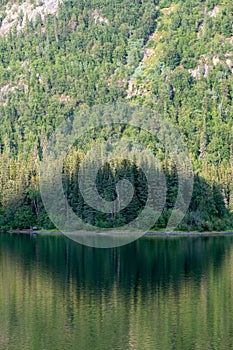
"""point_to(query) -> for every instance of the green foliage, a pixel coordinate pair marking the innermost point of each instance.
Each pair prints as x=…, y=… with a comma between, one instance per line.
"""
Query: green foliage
x=85, y=56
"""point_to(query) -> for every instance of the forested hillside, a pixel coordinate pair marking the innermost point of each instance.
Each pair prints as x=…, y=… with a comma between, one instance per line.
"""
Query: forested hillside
x=175, y=57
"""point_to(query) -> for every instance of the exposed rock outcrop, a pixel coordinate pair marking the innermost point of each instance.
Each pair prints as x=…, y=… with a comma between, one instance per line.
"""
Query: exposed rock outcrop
x=17, y=14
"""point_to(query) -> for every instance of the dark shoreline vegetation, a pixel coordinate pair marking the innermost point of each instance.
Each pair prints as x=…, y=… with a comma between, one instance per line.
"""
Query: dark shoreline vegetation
x=139, y=53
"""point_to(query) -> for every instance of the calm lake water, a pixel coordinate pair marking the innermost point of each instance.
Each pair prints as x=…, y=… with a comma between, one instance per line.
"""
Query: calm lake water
x=156, y=293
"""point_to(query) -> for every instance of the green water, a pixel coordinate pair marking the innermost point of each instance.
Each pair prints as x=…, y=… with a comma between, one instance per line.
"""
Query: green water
x=165, y=294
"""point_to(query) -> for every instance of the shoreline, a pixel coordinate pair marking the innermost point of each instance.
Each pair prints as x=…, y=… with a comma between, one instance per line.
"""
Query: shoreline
x=148, y=234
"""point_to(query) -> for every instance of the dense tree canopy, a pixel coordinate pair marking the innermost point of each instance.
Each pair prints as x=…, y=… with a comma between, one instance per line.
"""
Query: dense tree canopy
x=175, y=57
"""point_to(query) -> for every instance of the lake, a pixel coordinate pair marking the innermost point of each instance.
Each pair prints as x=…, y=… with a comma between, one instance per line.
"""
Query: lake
x=156, y=293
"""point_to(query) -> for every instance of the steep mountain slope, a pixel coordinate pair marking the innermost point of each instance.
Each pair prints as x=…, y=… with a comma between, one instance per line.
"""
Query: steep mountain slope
x=18, y=14
x=58, y=57
x=187, y=74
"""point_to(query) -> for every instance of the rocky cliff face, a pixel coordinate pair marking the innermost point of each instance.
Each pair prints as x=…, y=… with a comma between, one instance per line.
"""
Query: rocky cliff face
x=14, y=14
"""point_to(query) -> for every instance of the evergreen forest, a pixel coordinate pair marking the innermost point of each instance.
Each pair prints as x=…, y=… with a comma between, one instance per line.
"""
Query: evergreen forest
x=173, y=57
